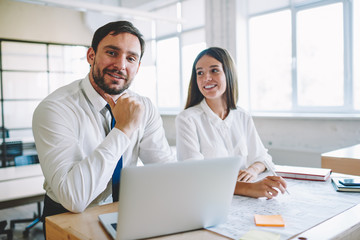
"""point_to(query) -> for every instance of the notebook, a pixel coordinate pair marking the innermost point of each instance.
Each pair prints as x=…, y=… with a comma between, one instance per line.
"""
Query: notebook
x=303, y=173
x=161, y=199
x=339, y=187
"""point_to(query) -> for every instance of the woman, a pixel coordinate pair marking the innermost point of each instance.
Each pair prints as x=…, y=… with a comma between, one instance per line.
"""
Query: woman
x=213, y=126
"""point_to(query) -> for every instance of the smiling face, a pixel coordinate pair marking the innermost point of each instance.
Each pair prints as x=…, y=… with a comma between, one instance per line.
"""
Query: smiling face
x=115, y=63
x=210, y=78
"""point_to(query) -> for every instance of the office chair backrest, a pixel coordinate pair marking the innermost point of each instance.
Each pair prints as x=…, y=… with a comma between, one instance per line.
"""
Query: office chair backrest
x=4, y=132
x=26, y=160
x=13, y=148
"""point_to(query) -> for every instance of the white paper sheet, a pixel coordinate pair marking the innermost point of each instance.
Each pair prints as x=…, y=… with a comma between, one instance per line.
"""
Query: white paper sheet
x=309, y=203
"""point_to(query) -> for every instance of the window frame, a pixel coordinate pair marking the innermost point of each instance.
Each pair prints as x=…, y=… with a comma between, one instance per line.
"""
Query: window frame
x=47, y=71
x=154, y=39
x=348, y=98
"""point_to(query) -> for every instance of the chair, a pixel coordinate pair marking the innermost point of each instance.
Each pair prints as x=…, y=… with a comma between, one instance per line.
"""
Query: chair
x=8, y=232
x=13, y=148
x=4, y=132
x=20, y=161
x=9, y=151
x=26, y=160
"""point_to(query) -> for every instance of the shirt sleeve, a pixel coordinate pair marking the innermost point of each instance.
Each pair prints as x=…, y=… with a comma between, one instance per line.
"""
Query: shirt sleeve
x=154, y=147
x=187, y=140
x=75, y=178
x=256, y=150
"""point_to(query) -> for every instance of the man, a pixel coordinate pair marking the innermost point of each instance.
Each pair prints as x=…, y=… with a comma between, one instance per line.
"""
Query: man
x=78, y=150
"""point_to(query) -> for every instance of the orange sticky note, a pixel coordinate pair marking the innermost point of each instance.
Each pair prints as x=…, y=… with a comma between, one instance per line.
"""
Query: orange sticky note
x=269, y=221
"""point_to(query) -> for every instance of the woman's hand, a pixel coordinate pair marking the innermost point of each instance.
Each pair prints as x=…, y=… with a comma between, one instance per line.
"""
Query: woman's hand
x=268, y=187
x=247, y=175
x=251, y=173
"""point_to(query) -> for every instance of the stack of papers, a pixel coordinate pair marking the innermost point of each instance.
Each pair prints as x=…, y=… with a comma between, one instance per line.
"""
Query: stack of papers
x=342, y=188
x=303, y=173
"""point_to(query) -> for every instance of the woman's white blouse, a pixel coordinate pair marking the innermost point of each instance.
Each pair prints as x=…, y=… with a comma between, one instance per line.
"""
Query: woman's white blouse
x=200, y=134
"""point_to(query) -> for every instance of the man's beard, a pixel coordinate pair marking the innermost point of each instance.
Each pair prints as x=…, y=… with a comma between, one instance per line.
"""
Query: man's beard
x=100, y=81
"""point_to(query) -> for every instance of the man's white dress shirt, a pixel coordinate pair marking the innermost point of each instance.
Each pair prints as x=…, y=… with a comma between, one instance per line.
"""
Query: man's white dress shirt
x=78, y=151
x=200, y=134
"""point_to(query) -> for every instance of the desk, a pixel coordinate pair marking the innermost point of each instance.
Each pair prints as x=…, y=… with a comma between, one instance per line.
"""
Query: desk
x=21, y=185
x=86, y=225
x=70, y=226
x=11, y=173
x=345, y=160
x=21, y=191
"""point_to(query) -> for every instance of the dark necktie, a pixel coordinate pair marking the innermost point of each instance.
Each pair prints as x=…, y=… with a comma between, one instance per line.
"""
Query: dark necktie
x=117, y=171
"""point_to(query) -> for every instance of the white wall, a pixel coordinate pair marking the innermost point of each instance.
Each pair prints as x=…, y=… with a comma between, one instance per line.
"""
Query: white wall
x=300, y=141
x=170, y=131
x=296, y=141
x=25, y=21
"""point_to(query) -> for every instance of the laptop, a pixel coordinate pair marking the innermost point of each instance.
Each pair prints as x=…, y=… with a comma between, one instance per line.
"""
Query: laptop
x=162, y=199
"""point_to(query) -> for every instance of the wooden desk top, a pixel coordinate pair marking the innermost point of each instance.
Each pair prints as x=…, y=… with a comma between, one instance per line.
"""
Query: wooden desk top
x=344, y=217
x=344, y=160
x=348, y=152
x=66, y=227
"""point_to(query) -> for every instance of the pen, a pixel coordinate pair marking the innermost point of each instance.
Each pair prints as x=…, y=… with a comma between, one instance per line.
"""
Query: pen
x=271, y=169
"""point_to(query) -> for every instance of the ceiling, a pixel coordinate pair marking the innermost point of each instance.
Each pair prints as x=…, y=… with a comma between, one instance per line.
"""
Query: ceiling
x=129, y=8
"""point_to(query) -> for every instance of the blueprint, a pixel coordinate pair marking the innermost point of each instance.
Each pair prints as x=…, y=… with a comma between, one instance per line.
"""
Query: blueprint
x=309, y=203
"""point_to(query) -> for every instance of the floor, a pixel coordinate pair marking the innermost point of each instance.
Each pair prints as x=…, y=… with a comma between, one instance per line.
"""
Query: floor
x=22, y=212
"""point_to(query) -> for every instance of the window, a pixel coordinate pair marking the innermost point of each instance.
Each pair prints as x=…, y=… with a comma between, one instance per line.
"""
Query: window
x=356, y=52
x=301, y=57
x=171, y=48
x=320, y=56
x=29, y=72
x=191, y=48
x=270, y=62
x=168, y=72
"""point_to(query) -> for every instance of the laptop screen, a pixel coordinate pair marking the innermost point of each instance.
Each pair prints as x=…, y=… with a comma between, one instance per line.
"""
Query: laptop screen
x=160, y=199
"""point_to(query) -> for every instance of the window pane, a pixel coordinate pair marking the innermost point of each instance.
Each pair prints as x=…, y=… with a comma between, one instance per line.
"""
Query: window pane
x=18, y=114
x=168, y=73
x=320, y=65
x=149, y=54
x=193, y=43
x=192, y=14
x=356, y=52
x=1, y=115
x=24, y=56
x=61, y=79
x=164, y=28
x=68, y=58
x=145, y=27
x=258, y=6
x=189, y=54
x=145, y=82
x=270, y=61
x=20, y=85
x=25, y=135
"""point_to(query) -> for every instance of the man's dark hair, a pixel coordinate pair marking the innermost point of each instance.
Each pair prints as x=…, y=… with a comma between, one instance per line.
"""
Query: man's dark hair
x=115, y=28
